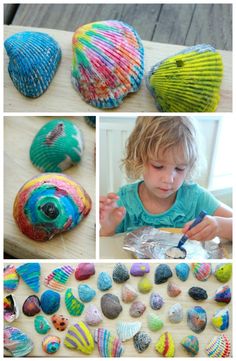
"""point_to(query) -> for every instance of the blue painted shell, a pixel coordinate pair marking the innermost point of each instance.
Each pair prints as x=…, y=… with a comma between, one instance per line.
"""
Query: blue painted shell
x=50, y=302
x=30, y=273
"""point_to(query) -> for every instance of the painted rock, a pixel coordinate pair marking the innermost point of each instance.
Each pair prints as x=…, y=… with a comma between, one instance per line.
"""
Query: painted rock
x=156, y=301
x=197, y=319
x=79, y=337
x=86, y=293
x=128, y=293
x=73, y=305
x=110, y=305
x=120, y=273
x=219, y=346
x=33, y=61
x=154, y=322
x=141, y=341
x=176, y=313
x=223, y=295
x=223, y=272
x=58, y=278
x=182, y=271
x=137, y=308
x=90, y=120
x=104, y=282
x=11, y=310
x=108, y=345
x=31, y=306
x=60, y=322
x=41, y=325
x=162, y=273
x=220, y=320
x=92, y=315
x=173, y=290
x=49, y=204
x=198, y=293
x=98, y=75
x=30, y=273
x=191, y=345
x=84, y=271
x=10, y=278
x=165, y=345
x=202, y=271
x=50, y=302
x=16, y=342
x=57, y=146
x=51, y=344
x=127, y=330
x=139, y=269
x=145, y=285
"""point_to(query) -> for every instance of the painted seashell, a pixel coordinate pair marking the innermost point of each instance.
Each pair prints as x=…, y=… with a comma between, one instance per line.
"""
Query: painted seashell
x=84, y=271
x=127, y=330
x=188, y=81
x=156, y=301
x=182, y=271
x=173, y=290
x=73, y=305
x=104, y=282
x=58, y=278
x=30, y=273
x=198, y=293
x=120, y=273
x=165, y=345
x=57, y=146
x=219, y=346
x=49, y=204
x=162, y=273
x=141, y=341
x=108, y=62
x=128, y=293
x=31, y=306
x=11, y=310
x=79, y=337
x=176, y=313
x=92, y=316
x=223, y=272
x=197, y=319
x=154, y=322
x=110, y=305
x=41, y=325
x=86, y=293
x=220, y=320
x=10, y=278
x=139, y=269
x=51, y=344
x=90, y=120
x=33, y=61
x=137, y=308
x=223, y=295
x=108, y=345
x=191, y=345
x=145, y=285
x=16, y=342
x=202, y=271
x=60, y=322
x=50, y=302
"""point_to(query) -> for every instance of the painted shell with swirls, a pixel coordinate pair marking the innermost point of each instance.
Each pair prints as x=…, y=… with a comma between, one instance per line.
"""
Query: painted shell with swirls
x=49, y=204
x=108, y=62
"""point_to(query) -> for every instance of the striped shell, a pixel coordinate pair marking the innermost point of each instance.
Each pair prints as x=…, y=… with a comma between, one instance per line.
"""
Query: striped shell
x=79, y=337
x=219, y=346
x=50, y=204
x=16, y=342
x=107, y=62
x=108, y=345
x=220, y=320
x=30, y=273
x=127, y=330
x=11, y=310
x=51, y=344
x=73, y=305
x=57, y=146
x=33, y=61
x=154, y=322
x=11, y=278
x=165, y=345
x=202, y=271
x=188, y=81
x=58, y=278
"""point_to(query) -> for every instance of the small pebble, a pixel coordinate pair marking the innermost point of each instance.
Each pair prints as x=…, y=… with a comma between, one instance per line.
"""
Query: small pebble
x=50, y=302
x=31, y=306
x=128, y=293
x=162, y=273
x=197, y=293
x=93, y=316
x=41, y=325
x=120, y=273
x=110, y=305
x=223, y=272
x=84, y=271
x=191, y=345
x=154, y=322
x=60, y=322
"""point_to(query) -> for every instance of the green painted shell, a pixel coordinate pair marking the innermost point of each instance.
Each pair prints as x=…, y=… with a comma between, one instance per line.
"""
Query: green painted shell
x=73, y=305
x=57, y=146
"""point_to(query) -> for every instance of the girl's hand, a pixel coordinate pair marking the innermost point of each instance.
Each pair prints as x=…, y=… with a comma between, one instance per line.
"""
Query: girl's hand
x=110, y=215
x=206, y=230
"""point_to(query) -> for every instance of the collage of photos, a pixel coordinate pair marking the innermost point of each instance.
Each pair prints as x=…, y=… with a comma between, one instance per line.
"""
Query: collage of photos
x=118, y=180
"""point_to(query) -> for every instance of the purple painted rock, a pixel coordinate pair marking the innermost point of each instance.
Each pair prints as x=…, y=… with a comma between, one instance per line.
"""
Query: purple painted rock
x=84, y=271
x=139, y=269
x=31, y=306
x=156, y=301
x=137, y=308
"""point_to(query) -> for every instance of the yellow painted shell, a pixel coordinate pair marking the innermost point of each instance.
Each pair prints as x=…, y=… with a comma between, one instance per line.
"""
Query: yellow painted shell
x=165, y=345
x=79, y=338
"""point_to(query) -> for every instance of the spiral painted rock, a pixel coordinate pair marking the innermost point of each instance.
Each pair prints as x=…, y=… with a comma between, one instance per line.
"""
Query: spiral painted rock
x=220, y=320
x=223, y=272
x=165, y=345
x=11, y=310
x=107, y=62
x=219, y=346
x=223, y=295
x=10, y=278
x=51, y=344
x=16, y=342
x=191, y=345
x=202, y=271
x=50, y=204
x=108, y=345
x=79, y=337
x=33, y=61
x=30, y=274
x=58, y=278
x=58, y=145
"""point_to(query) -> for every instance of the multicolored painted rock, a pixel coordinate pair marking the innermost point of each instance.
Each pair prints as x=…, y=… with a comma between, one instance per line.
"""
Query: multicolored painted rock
x=145, y=285
x=108, y=345
x=162, y=273
x=73, y=305
x=128, y=293
x=16, y=342
x=58, y=278
x=202, y=271
x=137, y=308
x=219, y=346
x=120, y=273
x=223, y=272
x=31, y=306
x=223, y=295
x=176, y=313
x=110, y=305
x=154, y=322
x=127, y=330
x=79, y=337
x=141, y=341
x=139, y=269
x=51, y=344
x=104, y=282
x=182, y=271
x=11, y=310
x=86, y=293
x=197, y=319
x=156, y=301
x=198, y=293
x=84, y=271
x=92, y=316
x=10, y=278
x=50, y=302
x=165, y=345
x=30, y=273
x=191, y=345
x=220, y=320
x=41, y=325
x=60, y=322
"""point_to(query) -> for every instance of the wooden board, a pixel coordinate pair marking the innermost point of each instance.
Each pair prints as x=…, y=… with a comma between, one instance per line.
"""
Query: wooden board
x=178, y=331
x=61, y=96
x=78, y=243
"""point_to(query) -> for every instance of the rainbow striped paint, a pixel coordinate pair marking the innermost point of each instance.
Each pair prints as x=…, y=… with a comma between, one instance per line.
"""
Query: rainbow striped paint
x=11, y=279
x=79, y=338
x=58, y=278
x=219, y=346
x=108, y=345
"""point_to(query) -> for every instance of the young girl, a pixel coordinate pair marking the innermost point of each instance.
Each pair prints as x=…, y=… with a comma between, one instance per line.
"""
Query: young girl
x=163, y=152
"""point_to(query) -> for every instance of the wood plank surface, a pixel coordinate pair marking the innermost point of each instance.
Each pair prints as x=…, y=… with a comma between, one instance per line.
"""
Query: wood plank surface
x=178, y=331
x=61, y=96
x=77, y=243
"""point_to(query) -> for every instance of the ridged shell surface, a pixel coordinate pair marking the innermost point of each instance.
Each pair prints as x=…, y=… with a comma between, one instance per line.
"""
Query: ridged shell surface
x=11, y=310
x=188, y=81
x=50, y=204
x=51, y=344
x=57, y=146
x=73, y=305
x=197, y=319
x=79, y=337
x=41, y=325
x=202, y=271
x=16, y=342
x=223, y=294
x=30, y=273
x=165, y=345
x=191, y=345
x=176, y=313
x=127, y=330
x=58, y=278
x=219, y=346
x=107, y=62
x=33, y=61
x=220, y=320
x=154, y=322
x=108, y=345
x=50, y=301
x=10, y=278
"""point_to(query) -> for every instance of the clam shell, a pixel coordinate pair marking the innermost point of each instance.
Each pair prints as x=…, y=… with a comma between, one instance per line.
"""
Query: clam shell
x=50, y=302
x=154, y=322
x=188, y=81
x=11, y=310
x=86, y=293
x=220, y=320
x=165, y=345
x=137, y=308
x=73, y=305
x=197, y=319
x=107, y=62
x=30, y=273
x=31, y=306
x=92, y=315
x=50, y=204
x=79, y=337
x=10, y=278
x=191, y=345
x=219, y=346
x=223, y=295
x=33, y=61
x=201, y=271
x=51, y=344
x=176, y=313
x=162, y=273
x=120, y=273
x=156, y=301
x=139, y=269
x=145, y=285
x=127, y=330
x=128, y=293
x=198, y=293
x=58, y=278
x=60, y=322
x=108, y=345
x=41, y=325
x=57, y=146
x=141, y=341
x=182, y=271
x=110, y=305
x=104, y=282
x=84, y=271
x=223, y=272
x=16, y=342
x=173, y=290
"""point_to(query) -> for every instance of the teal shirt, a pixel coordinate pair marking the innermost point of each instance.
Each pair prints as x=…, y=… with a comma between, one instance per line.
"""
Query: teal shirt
x=191, y=199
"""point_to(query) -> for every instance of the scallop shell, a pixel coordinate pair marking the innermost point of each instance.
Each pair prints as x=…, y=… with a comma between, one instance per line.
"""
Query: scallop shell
x=50, y=301
x=41, y=325
x=84, y=271
x=191, y=345
x=223, y=272
x=50, y=204
x=223, y=294
x=79, y=337
x=51, y=344
x=197, y=319
x=139, y=269
x=92, y=315
x=220, y=320
x=11, y=278
x=176, y=313
x=141, y=341
x=86, y=293
x=173, y=290
x=165, y=345
x=16, y=342
x=58, y=145
x=127, y=330
x=58, y=278
x=188, y=81
x=120, y=273
x=31, y=306
x=33, y=61
x=11, y=310
x=128, y=293
x=137, y=308
x=108, y=62
x=108, y=345
x=202, y=271
x=110, y=305
x=60, y=322
x=30, y=273
x=219, y=346
x=154, y=322
x=104, y=282
x=73, y=305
